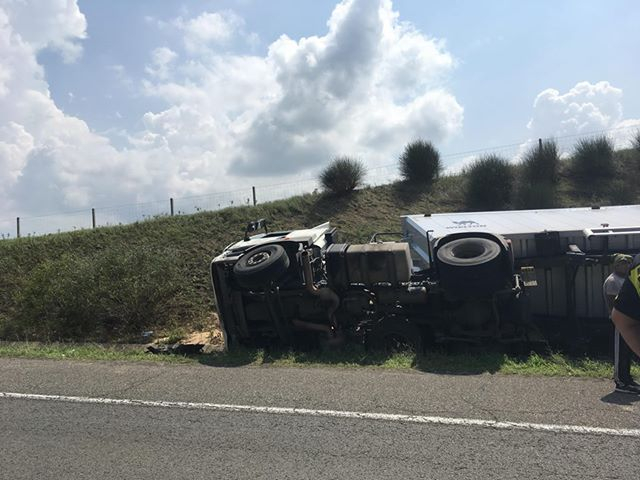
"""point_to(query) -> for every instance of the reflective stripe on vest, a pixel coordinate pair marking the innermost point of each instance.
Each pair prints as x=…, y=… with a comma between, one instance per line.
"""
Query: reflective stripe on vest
x=634, y=276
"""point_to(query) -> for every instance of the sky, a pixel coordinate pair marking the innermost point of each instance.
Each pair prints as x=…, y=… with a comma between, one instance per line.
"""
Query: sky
x=105, y=102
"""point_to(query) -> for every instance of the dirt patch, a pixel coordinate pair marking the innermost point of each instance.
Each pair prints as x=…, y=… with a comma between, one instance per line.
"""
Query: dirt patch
x=208, y=338
x=211, y=336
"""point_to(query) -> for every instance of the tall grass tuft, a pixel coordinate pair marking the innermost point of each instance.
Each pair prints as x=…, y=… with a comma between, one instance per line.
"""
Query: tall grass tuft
x=489, y=183
x=539, y=174
x=541, y=164
x=593, y=162
x=342, y=175
x=420, y=162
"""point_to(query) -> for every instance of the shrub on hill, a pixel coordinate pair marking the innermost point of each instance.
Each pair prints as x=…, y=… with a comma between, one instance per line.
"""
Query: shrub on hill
x=541, y=164
x=593, y=162
x=636, y=142
x=539, y=175
x=342, y=175
x=622, y=191
x=489, y=183
x=420, y=162
x=537, y=195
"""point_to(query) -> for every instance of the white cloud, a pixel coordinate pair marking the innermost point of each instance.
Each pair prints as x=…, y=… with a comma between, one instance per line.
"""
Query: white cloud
x=55, y=24
x=365, y=88
x=161, y=61
x=209, y=29
x=586, y=110
x=15, y=144
x=583, y=109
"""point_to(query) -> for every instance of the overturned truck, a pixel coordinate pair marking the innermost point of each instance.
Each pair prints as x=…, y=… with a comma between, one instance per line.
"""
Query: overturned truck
x=460, y=277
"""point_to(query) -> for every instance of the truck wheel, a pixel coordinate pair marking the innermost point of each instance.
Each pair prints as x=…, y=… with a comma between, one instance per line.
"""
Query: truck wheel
x=260, y=266
x=472, y=267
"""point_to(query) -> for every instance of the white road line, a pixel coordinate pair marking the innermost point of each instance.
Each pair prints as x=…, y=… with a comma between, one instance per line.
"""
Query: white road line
x=390, y=417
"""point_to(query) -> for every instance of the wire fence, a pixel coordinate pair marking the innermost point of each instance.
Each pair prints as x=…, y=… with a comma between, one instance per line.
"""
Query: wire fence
x=381, y=175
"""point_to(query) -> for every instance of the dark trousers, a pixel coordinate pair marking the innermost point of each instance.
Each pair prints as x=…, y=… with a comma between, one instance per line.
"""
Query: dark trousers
x=621, y=359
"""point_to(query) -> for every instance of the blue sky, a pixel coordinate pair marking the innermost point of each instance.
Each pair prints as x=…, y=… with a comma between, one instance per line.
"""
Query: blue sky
x=113, y=101
x=507, y=53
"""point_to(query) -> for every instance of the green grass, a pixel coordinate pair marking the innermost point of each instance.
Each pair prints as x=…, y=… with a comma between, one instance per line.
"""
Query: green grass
x=85, y=352
x=196, y=239
x=556, y=365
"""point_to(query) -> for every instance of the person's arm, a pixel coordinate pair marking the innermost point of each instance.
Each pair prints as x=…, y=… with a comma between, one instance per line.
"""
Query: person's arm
x=611, y=290
x=610, y=300
x=629, y=328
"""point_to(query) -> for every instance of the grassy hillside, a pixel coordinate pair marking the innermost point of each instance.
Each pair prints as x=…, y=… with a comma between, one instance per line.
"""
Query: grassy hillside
x=112, y=283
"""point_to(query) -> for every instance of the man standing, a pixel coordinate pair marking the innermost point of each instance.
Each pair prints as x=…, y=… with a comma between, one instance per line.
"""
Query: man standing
x=622, y=354
x=626, y=318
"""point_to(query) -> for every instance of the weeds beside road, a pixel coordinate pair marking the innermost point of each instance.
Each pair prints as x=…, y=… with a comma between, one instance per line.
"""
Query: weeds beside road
x=433, y=362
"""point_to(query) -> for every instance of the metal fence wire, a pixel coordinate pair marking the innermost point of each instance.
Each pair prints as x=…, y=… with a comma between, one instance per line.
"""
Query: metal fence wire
x=26, y=226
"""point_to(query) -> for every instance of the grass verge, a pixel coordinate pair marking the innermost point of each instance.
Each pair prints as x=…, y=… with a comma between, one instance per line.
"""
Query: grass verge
x=557, y=365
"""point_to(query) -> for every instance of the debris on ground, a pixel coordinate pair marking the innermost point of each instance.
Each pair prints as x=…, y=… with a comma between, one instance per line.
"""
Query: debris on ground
x=195, y=342
x=176, y=349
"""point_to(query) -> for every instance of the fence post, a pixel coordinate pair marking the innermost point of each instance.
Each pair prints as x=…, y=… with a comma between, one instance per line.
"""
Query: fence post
x=540, y=143
x=93, y=218
x=253, y=189
x=18, y=227
x=171, y=206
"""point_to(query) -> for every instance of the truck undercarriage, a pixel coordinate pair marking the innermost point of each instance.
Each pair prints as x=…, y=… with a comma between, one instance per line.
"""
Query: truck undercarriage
x=300, y=287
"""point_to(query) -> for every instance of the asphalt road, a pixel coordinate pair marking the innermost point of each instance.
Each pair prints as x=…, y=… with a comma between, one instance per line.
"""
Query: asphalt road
x=58, y=439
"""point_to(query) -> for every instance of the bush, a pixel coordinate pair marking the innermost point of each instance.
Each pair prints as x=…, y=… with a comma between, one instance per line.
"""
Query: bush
x=541, y=164
x=593, y=161
x=489, y=183
x=112, y=294
x=420, y=162
x=622, y=191
x=537, y=195
x=636, y=142
x=342, y=175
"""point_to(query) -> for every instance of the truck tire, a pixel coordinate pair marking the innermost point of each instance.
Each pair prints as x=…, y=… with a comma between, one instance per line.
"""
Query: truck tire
x=472, y=267
x=467, y=252
x=258, y=267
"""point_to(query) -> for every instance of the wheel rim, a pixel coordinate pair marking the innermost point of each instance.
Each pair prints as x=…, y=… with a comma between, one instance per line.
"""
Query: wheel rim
x=258, y=258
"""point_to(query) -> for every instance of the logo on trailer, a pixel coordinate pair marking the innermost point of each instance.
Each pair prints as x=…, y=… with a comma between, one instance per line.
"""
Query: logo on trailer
x=465, y=224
